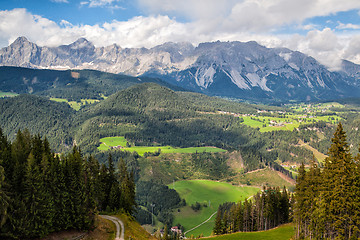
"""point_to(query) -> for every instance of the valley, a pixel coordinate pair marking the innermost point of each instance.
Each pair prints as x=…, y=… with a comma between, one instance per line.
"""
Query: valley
x=209, y=150
x=169, y=120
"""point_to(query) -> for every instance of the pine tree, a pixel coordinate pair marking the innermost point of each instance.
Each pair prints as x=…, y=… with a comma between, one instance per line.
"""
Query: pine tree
x=4, y=161
x=36, y=224
x=4, y=199
x=60, y=194
x=338, y=178
x=218, y=224
x=300, y=208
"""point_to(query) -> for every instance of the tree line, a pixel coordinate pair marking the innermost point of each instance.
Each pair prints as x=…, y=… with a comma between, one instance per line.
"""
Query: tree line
x=267, y=209
x=327, y=202
x=42, y=192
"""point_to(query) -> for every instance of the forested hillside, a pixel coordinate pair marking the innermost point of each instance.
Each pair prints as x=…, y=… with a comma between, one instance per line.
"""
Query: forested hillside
x=39, y=116
x=41, y=192
x=72, y=85
x=151, y=115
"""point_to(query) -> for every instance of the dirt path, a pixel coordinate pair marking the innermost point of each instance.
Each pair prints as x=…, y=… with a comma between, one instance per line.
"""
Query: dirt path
x=256, y=170
x=200, y=223
x=120, y=232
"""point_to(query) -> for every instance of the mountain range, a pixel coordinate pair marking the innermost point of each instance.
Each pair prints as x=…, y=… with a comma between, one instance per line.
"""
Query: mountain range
x=227, y=69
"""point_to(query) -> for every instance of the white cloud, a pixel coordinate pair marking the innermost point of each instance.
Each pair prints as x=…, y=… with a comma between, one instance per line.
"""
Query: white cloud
x=325, y=46
x=352, y=52
x=348, y=26
x=247, y=15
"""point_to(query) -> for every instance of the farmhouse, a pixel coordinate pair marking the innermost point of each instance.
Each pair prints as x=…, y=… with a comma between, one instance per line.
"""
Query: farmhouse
x=176, y=229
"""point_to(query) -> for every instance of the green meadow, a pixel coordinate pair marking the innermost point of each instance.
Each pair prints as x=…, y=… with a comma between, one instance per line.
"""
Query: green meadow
x=284, y=232
x=76, y=105
x=7, y=94
x=210, y=195
x=108, y=142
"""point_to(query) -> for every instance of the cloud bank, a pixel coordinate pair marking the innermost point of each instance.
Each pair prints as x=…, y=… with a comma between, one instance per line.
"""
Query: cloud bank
x=226, y=20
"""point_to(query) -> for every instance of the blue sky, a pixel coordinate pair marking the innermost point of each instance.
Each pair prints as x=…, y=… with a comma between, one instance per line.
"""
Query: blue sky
x=76, y=12
x=329, y=30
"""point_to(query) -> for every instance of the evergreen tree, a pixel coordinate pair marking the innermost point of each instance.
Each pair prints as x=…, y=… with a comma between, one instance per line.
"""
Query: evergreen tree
x=338, y=179
x=4, y=199
x=218, y=224
x=36, y=223
x=300, y=208
x=327, y=202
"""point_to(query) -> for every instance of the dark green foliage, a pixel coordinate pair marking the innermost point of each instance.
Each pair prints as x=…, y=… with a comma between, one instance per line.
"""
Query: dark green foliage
x=264, y=211
x=158, y=198
x=40, y=116
x=41, y=193
x=143, y=216
x=212, y=164
x=196, y=207
x=327, y=202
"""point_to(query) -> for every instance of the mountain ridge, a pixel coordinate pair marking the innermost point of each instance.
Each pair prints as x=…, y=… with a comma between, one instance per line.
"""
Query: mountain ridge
x=244, y=70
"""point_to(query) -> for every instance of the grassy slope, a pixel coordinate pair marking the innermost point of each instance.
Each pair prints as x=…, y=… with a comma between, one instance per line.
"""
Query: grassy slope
x=7, y=94
x=284, y=232
x=133, y=229
x=203, y=191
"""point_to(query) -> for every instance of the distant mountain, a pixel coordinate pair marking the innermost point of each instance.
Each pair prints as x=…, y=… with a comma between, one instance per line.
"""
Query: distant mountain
x=69, y=84
x=229, y=69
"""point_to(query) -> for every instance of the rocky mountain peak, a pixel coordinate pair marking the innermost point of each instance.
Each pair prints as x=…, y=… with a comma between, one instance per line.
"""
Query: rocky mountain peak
x=20, y=40
x=81, y=43
x=233, y=69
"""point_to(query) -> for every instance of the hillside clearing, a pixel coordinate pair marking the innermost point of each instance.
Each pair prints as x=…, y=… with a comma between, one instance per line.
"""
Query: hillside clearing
x=121, y=143
x=264, y=177
x=210, y=195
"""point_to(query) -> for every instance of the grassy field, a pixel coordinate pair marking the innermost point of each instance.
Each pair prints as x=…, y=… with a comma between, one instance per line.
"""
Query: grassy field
x=209, y=193
x=284, y=232
x=265, y=126
x=108, y=142
x=7, y=94
x=76, y=105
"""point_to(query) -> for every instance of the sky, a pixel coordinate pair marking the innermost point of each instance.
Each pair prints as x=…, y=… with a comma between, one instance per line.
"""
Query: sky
x=328, y=30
